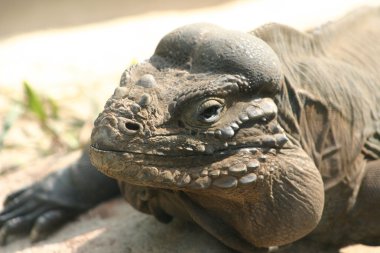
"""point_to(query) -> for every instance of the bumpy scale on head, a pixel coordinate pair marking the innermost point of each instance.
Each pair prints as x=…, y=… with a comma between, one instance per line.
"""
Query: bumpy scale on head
x=185, y=96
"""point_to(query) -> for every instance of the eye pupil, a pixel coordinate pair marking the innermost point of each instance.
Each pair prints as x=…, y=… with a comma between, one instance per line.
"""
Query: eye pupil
x=210, y=112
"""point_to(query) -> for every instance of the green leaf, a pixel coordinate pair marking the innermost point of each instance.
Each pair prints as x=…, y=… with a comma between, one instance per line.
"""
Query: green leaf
x=34, y=103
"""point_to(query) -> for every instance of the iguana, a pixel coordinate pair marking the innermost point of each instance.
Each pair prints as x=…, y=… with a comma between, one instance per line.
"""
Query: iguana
x=262, y=138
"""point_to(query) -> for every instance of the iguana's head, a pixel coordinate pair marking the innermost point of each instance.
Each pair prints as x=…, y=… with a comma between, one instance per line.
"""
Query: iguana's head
x=200, y=116
x=199, y=113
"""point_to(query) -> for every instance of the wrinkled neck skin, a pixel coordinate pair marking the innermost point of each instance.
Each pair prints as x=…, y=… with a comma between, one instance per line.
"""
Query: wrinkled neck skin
x=223, y=142
x=286, y=201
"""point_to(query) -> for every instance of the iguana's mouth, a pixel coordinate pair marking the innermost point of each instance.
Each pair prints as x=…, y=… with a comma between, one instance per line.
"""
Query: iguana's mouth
x=224, y=169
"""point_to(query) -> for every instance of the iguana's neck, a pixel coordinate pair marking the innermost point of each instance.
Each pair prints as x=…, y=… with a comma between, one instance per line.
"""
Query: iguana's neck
x=289, y=108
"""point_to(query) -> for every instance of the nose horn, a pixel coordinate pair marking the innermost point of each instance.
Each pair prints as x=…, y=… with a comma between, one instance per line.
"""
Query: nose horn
x=147, y=81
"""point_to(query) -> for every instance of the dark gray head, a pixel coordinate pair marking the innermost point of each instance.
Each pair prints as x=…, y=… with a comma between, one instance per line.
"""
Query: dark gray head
x=206, y=93
x=200, y=116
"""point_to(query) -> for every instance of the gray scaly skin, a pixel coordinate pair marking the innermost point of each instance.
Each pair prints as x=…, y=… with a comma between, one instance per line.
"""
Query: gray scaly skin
x=261, y=139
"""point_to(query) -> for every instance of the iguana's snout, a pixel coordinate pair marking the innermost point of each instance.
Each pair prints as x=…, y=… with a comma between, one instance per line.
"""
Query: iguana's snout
x=129, y=115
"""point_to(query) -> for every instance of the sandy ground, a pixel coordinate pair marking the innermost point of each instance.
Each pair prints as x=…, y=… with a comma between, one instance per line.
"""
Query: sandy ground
x=74, y=52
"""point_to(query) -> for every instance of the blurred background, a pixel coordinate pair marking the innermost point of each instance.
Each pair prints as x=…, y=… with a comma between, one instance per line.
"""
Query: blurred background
x=60, y=61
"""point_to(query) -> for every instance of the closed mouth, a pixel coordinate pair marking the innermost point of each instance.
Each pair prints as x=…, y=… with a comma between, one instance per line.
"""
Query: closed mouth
x=156, y=152
x=159, y=158
x=223, y=169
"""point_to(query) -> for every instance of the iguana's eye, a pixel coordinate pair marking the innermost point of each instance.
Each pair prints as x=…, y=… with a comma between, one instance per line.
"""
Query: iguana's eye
x=210, y=111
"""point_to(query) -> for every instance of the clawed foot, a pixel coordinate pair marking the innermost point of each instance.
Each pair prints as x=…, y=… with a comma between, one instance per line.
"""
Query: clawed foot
x=26, y=212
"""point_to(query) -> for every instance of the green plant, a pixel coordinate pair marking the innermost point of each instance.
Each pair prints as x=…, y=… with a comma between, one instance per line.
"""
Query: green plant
x=44, y=109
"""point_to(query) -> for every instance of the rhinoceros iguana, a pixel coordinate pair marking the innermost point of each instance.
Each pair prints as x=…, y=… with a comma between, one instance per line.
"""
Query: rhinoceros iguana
x=261, y=138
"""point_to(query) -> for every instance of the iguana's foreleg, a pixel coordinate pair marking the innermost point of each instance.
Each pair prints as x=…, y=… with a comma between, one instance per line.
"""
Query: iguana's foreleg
x=364, y=220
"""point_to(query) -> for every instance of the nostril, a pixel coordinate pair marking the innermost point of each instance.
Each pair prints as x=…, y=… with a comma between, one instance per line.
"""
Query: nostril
x=132, y=126
x=129, y=127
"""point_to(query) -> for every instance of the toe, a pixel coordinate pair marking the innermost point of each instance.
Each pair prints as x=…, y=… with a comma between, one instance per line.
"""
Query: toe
x=18, y=209
x=47, y=223
x=14, y=195
x=14, y=226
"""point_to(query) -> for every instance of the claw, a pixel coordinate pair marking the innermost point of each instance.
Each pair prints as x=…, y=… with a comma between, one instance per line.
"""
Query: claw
x=35, y=236
x=3, y=236
x=46, y=223
x=15, y=226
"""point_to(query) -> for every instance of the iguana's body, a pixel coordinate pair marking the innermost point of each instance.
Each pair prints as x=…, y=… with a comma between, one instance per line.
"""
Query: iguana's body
x=335, y=72
x=252, y=142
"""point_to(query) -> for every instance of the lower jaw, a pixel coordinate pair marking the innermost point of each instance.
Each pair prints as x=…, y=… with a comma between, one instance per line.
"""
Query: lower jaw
x=242, y=168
